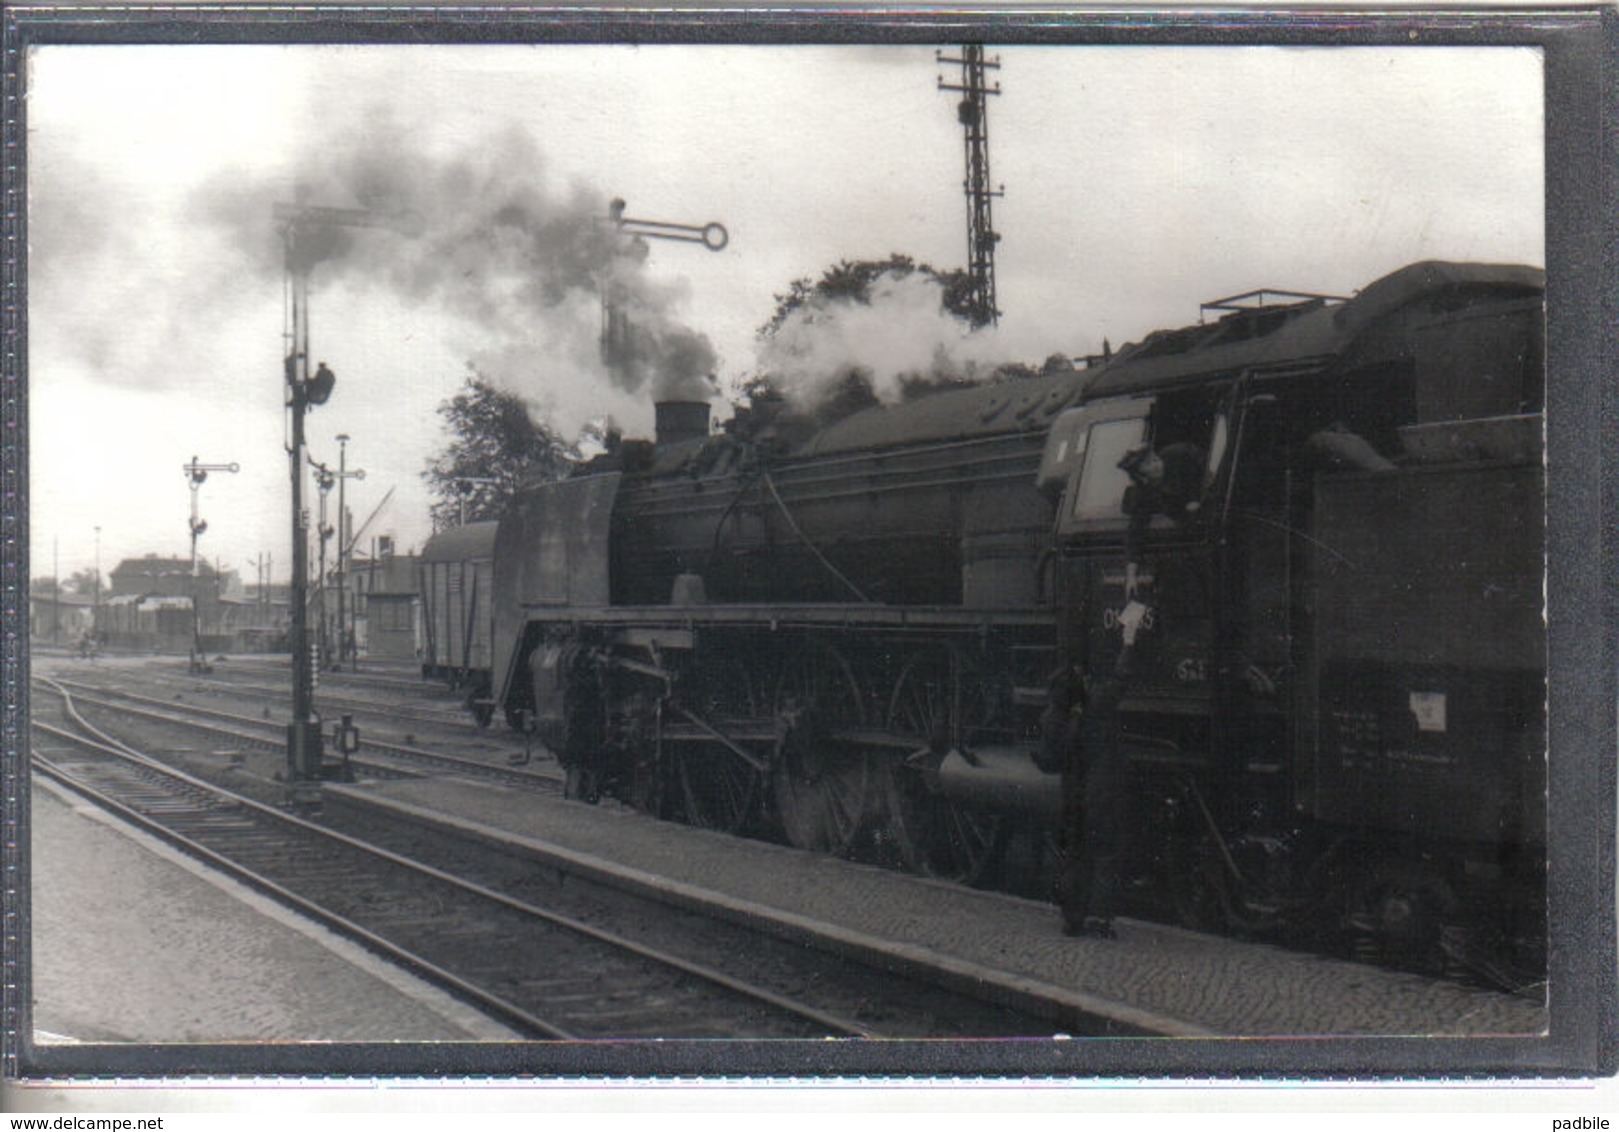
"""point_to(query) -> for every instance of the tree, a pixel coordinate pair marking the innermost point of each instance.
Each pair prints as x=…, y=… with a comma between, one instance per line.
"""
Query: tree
x=496, y=447
x=85, y=581
x=79, y=582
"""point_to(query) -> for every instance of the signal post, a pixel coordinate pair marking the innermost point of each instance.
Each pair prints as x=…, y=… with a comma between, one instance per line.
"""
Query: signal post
x=306, y=230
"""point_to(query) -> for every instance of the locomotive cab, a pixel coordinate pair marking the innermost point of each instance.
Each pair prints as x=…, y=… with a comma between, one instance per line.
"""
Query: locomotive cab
x=1200, y=600
x=1132, y=550
x=1329, y=643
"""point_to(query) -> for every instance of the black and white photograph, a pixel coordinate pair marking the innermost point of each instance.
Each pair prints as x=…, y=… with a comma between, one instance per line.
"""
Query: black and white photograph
x=589, y=551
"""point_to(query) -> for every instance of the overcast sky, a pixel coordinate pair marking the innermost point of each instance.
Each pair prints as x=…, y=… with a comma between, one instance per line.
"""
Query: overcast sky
x=1138, y=183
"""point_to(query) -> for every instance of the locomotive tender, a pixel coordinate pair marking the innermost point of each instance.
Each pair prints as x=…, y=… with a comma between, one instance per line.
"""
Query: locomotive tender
x=1335, y=710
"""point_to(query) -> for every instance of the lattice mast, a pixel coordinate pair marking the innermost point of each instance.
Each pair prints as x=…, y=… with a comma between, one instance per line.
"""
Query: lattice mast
x=973, y=113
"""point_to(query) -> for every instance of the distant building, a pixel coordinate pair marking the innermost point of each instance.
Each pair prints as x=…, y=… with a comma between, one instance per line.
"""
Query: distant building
x=162, y=577
x=385, y=603
x=146, y=623
x=258, y=621
x=148, y=606
x=59, y=618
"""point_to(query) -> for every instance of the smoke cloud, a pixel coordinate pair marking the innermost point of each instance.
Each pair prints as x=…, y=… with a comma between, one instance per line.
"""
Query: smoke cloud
x=900, y=335
x=539, y=292
x=546, y=293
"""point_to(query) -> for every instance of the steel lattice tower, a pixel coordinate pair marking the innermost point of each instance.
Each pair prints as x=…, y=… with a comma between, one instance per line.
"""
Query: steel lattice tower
x=973, y=112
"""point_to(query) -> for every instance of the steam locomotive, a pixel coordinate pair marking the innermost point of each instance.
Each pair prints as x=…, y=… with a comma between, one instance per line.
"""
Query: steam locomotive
x=851, y=637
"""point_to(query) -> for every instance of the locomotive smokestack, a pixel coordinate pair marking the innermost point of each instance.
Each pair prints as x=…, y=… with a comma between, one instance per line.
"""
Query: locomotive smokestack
x=680, y=421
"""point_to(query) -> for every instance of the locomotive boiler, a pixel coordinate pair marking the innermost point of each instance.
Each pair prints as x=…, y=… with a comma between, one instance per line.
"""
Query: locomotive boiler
x=754, y=638
x=858, y=639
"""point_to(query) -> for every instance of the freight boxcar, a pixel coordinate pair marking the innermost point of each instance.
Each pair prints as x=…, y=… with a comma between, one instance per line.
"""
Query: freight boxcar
x=457, y=589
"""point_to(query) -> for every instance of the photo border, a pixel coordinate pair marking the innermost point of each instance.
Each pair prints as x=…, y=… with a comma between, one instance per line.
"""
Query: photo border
x=1582, y=428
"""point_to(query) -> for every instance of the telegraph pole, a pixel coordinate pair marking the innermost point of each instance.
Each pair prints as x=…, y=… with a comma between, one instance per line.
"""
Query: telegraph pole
x=344, y=538
x=197, y=473
x=324, y=479
x=973, y=113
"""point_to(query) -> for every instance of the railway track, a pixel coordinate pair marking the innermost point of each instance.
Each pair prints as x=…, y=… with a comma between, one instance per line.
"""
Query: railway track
x=393, y=677
x=337, y=693
x=233, y=727
x=580, y=960
x=380, y=700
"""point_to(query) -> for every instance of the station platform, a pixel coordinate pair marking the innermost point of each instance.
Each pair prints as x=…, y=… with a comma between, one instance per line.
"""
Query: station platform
x=1152, y=979
x=134, y=942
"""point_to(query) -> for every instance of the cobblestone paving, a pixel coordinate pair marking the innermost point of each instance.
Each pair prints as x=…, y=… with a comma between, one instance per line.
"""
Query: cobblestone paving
x=1191, y=983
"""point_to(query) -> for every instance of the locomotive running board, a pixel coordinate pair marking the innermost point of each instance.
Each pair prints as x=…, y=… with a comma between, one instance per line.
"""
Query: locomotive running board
x=784, y=615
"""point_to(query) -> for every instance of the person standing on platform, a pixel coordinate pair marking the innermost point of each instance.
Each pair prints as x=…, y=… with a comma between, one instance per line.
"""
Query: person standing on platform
x=1083, y=715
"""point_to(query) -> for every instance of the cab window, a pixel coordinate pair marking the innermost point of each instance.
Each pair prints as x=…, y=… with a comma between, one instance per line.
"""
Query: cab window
x=1100, y=491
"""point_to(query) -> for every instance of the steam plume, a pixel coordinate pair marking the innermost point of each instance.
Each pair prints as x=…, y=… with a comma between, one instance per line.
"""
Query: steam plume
x=900, y=334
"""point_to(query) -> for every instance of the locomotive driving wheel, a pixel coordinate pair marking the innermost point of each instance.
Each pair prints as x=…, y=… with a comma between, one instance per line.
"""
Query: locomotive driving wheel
x=822, y=786
x=940, y=703
x=720, y=789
